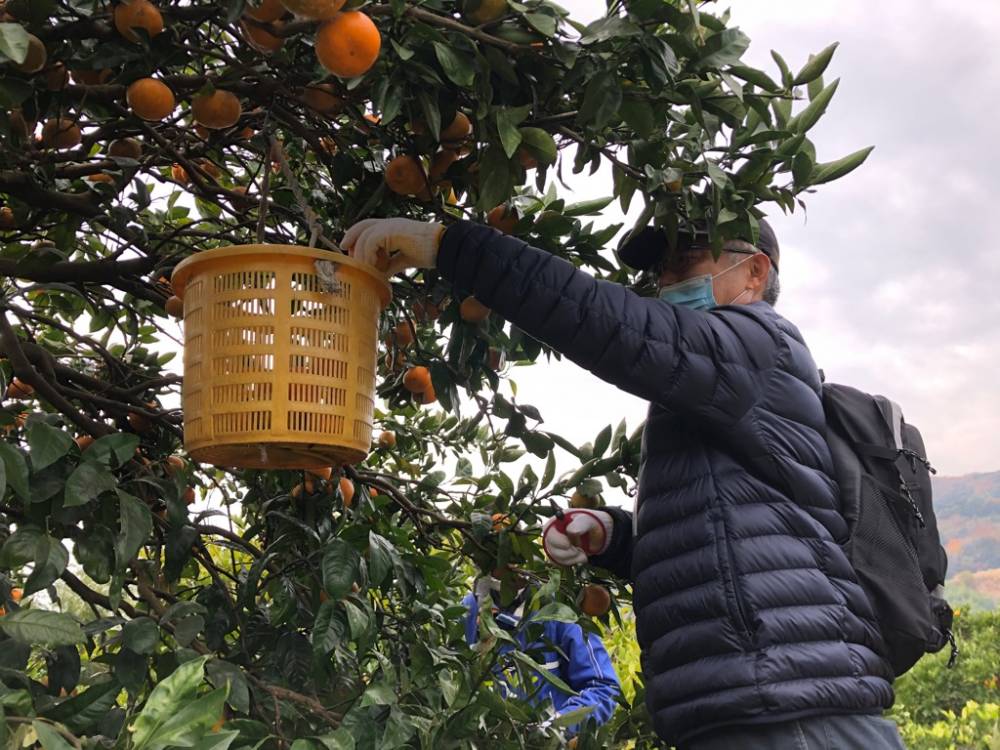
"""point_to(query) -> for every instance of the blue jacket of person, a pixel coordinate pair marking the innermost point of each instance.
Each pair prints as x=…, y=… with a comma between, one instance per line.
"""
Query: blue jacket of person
x=748, y=610
x=579, y=659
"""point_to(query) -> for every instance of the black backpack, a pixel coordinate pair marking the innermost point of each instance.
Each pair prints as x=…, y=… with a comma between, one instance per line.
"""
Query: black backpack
x=885, y=491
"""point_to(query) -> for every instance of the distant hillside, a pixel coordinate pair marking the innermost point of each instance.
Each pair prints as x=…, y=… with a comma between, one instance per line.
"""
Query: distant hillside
x=968, y=511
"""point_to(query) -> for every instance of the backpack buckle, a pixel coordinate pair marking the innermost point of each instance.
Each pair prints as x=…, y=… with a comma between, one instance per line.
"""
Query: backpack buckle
x=953, y=657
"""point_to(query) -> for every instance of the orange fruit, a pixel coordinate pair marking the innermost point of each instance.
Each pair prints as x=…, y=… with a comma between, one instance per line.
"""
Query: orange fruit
x=403, y=334
x=218, y=110
x=19, y=389
x=126, y=148
x=318, y=10
x=137, y=14
x=473, y=311
x=424, y=311
x=83, y=442
x=139, y=422
x=579, y=500
x=500, y=520
x=486, y=11
x=7, y=220
x=495, y=359
x=347, y=491
x=372, y=492
x=387, y=439
x=323, y=98
x=174, y=307
x=405, y=175
x=174, y=465
x=440, y=163
x=417, y=379
x=260, y=39
x=246, y=133
x=150, y=99
x=526, y=158
x=348, y=45
x=428, y=396
x=322, y=473
x=91, y=77
x=503, y=218
x=189, y=496
x=56, y=77
x=36, y=57
x=16, y=594
x=457, y=131
x=266, y=11
x=100, y=177
x=209, y=167
x=179, y=174
x=61, y=132
x=595, y=600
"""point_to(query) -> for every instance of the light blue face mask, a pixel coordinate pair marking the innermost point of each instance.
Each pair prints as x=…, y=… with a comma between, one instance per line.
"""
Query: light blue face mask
x=698, y=293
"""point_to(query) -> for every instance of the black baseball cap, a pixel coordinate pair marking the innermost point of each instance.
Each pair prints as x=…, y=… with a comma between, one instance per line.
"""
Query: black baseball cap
x=645, y=248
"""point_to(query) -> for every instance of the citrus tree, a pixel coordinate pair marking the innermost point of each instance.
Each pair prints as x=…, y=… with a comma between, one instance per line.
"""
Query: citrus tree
x=150, y=601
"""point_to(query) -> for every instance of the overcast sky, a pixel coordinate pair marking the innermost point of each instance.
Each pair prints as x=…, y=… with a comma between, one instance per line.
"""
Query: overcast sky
x=892, y=277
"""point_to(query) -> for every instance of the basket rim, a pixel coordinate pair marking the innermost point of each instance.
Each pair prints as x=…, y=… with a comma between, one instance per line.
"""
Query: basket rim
x=183, y=270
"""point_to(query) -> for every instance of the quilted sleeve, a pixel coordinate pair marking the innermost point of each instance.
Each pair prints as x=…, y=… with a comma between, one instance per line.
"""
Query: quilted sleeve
x=709, y=365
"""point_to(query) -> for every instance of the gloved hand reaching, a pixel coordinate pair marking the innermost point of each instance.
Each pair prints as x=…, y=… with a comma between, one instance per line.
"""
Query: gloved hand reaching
x=571, y=539
x=393, y=245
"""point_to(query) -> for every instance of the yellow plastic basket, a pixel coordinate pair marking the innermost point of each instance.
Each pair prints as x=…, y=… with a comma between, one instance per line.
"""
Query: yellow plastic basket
x=280, y=349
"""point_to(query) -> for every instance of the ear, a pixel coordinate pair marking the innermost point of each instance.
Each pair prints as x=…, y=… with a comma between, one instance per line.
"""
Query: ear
x=760, y=268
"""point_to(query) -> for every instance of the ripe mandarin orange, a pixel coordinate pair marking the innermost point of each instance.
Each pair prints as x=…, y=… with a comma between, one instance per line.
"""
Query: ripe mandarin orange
x=137, y=14
x=417, y=379
x=150, y=99
x=218, y=110
x=348, y=44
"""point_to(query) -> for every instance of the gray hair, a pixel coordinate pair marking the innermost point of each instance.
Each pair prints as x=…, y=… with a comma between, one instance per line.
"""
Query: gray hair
x=773, y=287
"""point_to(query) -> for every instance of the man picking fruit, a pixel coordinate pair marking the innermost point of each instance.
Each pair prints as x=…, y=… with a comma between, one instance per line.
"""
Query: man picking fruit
x=755, y=632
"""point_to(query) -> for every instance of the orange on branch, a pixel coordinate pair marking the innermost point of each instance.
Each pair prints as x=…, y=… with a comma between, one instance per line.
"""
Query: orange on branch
x=324, y=472
x=323, y=98
x=218, y=110
x=457, y=131
x=317, y=10
x=404, y=174
x=347, y=491
x=261, y=39
x=387, y=439
x=427, y=397
x=126, y=148
x=137, y=14
x=100, y=177
x=580, y=500
x=16, y=594
x=440, y=163
x=17, y=388
x=36, y=57
x=417, y=379
x=7, y=220
x=209, y=167
x=174, y=307
x=503, y=218
x=473, y=311
x=485, y=11
x=595, y=600
x=61, y=133
x=348, y=45
x=174, y=465
x=139, y=422
x=495, y=359
x=150, y=99
x=83, y=442
x=265, y=11
x=403, y=334
x=425, y=311
x=189, y=496
x=526, y=158
x=179, y=174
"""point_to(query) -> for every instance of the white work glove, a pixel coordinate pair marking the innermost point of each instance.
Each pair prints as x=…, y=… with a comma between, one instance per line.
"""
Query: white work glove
x=570, y=540
x=393, y=245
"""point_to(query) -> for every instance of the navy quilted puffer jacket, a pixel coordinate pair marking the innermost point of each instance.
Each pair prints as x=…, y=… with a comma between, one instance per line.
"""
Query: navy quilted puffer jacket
x=747, y=608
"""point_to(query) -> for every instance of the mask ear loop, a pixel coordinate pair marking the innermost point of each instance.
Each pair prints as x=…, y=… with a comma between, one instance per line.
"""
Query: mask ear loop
x=737, y=265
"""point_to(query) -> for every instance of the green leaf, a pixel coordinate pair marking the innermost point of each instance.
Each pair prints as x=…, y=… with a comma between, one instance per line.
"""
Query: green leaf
x=51, y=559
x=13, y=42
x=141, y=635
x=832, y=170
x=49, y=738
x=554, y=611
x=217, y=740
x=340, y=568
x=756, y=77
x=585, y=208
x=87, y=482
x=47, y=444
x=19, y=548
x=136, y=525
x=540, y=144
x=15, y=470
x=809, y=116
x=602, y=441
x=81, y=712
x=380, y=552
x=42, y=626
x=816, y=66
x=550, y=469
x=189, y=725
x=221, y=673
x=460, y=71
x=120, y=446
x=542, y=672
x=724, y=48
x=330, y=628
x=542, y=23
x=786, y=75
x=497, y=180
x=601, y=100
x=638, y=115
x=166, y=700
x=508, y=118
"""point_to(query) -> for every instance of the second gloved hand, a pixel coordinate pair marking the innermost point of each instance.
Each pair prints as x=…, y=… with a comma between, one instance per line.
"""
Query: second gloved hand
x=393, y=245
x=570, y=540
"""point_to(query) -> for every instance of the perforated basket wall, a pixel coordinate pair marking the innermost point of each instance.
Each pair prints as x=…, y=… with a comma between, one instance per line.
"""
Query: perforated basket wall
x=279, y=363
